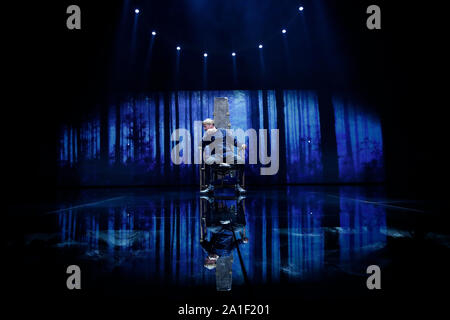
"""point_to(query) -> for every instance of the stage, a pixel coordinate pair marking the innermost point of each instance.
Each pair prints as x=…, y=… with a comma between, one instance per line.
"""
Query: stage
x=313, y=243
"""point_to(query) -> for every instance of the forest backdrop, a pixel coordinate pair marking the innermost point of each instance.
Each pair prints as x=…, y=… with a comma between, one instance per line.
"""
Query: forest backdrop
x=324, y=138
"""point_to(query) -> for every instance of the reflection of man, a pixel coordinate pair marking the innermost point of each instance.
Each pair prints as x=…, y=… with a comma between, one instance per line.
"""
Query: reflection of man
x=221, y=221
x=221, y=144
x=221, y=243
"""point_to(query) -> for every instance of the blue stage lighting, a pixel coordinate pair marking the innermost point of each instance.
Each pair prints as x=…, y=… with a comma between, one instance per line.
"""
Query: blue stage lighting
x=205, y=54
x=178, y=48
x=233, y=54
x=260, y=46
x=154, y=33
x=300, y=8
x=283, y=31
x=136, y=11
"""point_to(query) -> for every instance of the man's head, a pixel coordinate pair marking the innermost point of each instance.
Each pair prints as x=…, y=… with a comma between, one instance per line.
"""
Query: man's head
x=208, y=124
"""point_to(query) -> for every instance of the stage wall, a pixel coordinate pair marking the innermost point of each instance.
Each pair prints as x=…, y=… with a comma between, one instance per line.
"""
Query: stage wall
x=323, y=139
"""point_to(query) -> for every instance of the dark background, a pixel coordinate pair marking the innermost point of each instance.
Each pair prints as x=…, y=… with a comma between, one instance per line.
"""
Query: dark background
x=53, y=74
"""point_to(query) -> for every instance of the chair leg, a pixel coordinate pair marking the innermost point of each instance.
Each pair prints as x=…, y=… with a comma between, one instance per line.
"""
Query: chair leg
x=202, y=176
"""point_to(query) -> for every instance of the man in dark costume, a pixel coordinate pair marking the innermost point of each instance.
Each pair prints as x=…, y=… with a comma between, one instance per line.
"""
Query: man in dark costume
x=221, y=144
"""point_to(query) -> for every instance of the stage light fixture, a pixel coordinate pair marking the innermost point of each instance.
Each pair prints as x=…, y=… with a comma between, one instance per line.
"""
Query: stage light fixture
x=283, y=31
x=205, y=54
x=300, y=8
x=136, y=11
x=260, y=46
x=178, y=48
x=234, y=54
x=154, y=33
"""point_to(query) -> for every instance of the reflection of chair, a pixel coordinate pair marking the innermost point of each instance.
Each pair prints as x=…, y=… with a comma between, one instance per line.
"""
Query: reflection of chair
x=222, y=170
x=208, y=212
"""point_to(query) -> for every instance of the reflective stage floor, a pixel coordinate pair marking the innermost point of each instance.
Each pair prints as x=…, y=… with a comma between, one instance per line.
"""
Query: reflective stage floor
x=276, y=245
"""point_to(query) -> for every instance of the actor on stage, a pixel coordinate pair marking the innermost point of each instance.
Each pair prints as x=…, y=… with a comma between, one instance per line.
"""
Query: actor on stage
x=221, y=144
